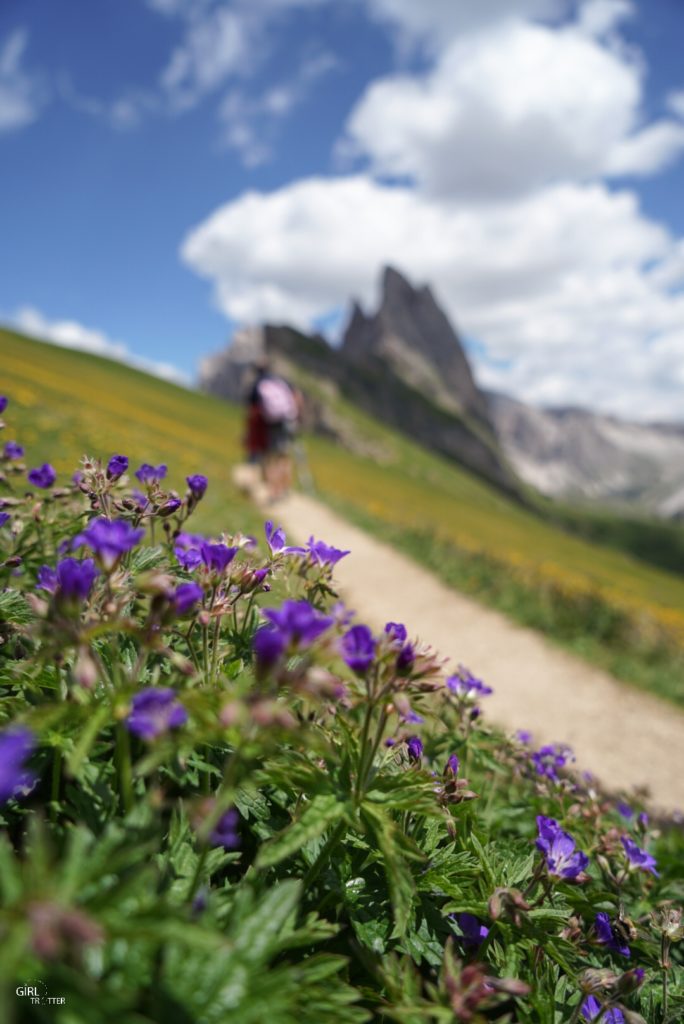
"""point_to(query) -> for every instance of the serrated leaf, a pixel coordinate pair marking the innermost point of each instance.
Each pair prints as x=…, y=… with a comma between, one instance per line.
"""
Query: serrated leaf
x=322, y=812
x=258, y=934
x=402, y=887
x=14, y=608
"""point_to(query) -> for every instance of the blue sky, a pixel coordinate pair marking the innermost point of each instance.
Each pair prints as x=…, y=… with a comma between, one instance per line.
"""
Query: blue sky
x=172, y=168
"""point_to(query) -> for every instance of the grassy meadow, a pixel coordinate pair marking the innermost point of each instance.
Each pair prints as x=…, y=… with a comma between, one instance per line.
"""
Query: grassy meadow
x=607, y=605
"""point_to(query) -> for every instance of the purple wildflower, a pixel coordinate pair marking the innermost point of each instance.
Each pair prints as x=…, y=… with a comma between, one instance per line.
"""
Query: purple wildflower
x=406, y=659
x=298, y=621
x=396, y=632
x=74, y=579
x=117, y=466
x=624, y=810
x=198, y=484
x=473, y=933
x=155, y=710
x=4, y=518
x=453, y=764
x=171, y=505
x=186, y=597
x=3, y=403
x=548, y=759
x=13, y=450
x=606, y=936
x=109, y=539
x=323, y=553
x=591, y=1008
x=558, y=849
x=269, y=645
x=187, y=550
x=523, y=736
x=466, y=687
x=413, y=718
x=639, y=859
x=225, y=831
x=217, y=557
x=148, y=474
x=46, y=579
x=414, y=745
x=16, y=746
x=357, y=647
x=275, y=538
x=44, y=476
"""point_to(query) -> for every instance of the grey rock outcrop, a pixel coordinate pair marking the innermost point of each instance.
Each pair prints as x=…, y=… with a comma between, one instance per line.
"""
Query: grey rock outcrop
x=575, y=453
x=411, y=334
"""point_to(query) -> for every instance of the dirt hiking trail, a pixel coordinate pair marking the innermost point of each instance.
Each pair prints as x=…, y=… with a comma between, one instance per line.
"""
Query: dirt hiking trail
x=625, y=737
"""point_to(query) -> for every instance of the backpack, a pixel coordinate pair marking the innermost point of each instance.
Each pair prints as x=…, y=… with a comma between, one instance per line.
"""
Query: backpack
x=277, y=402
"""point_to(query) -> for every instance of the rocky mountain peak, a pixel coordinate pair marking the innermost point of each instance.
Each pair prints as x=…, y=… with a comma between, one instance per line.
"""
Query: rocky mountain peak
x=412, y=334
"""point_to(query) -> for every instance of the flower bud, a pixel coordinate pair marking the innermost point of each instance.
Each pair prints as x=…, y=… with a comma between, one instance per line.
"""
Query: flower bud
x=85, y=669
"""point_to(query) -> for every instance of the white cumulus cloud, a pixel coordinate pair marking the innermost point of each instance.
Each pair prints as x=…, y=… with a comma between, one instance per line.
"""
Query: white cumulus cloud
x=21, y=94
x=71, y=334
x=511, y=110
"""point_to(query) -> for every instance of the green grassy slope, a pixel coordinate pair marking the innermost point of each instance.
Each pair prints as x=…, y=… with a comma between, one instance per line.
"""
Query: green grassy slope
x=66, y=403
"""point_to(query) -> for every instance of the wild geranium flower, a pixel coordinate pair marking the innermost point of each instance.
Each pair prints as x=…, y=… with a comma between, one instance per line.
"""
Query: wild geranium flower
x=550, y=758
x=357, y=647
x=275, y=538
x=4, y=400
x=148, y=474
x=225, y=831
x=591, y=1009
x=638, y=859
x=606, y=936
x=198, y=485
x=46, y=579
x=523, y=736
x=414, y=745
x=217, y=557
x=473, y=932
x=466, y=687
x=109, y=539
x=75, y=578
x=624, y=810
x=44, y=476
x=298, y=622
x=396, y=632
x=117, y=466
x=269, y=645
x=171, y=505
x=187, y=550
x=155, y=711
x=453, y=764
x=406, y=659
x=323, y=553
x=13, y=450
x=16, y=746
x=558, y=849
x=185, y=597
x=4, y=518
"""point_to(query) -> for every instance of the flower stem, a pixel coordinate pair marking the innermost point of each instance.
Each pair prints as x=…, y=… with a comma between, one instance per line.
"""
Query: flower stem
x=317, y=866
x=664, y=958
x=56, y=778
x=124, y=768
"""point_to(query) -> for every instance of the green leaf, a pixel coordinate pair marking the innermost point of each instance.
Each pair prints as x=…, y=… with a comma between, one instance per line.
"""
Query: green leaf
x=87, y=738
x=322, y=812
x=259, y=933
x=391, y=843
x=14, y=608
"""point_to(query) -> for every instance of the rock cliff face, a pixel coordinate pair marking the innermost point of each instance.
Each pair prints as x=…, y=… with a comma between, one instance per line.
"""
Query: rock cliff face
x=412, y=335
x=574, y=453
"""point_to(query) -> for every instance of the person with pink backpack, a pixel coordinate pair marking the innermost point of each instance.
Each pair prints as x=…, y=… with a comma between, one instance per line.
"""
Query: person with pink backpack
x=277, y=405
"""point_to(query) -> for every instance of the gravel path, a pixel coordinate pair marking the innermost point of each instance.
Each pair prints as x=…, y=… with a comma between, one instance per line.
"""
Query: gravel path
x=625, y=737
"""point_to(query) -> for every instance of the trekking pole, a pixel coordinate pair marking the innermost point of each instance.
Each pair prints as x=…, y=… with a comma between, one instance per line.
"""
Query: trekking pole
x=304, y=475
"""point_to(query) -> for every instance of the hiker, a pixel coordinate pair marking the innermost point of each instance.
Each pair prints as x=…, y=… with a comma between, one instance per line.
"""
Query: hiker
x=272, y=418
